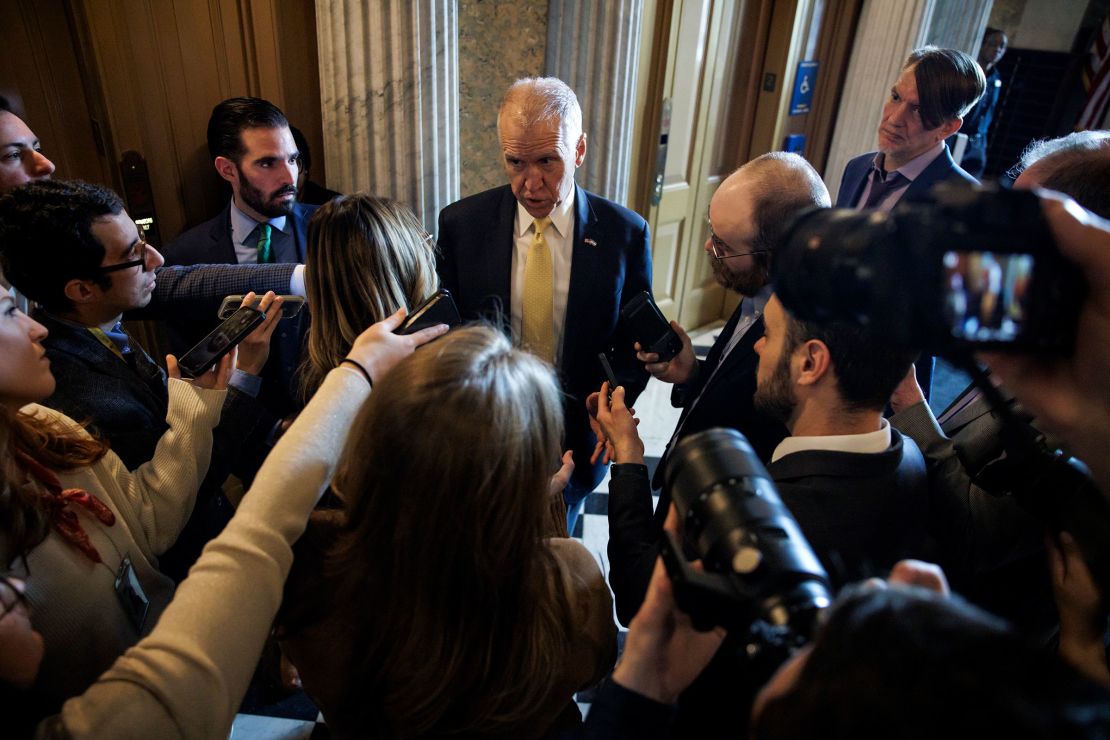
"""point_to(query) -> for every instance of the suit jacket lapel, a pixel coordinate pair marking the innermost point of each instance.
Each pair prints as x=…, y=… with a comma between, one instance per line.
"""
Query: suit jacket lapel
x=221, y=250
x=939, y=169
x=585, y=263
x=714, y=356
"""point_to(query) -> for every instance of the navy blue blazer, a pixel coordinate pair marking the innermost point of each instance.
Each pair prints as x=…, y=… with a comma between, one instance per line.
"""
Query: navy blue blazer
x=855, y=177
x=210, y=243
x=940, y=169
x=610, y=264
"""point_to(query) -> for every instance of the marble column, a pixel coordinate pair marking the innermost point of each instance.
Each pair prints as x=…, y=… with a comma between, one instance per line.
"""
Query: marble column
x=594, y=46
x=959, y=24
x=887, y=32
x=389, y=99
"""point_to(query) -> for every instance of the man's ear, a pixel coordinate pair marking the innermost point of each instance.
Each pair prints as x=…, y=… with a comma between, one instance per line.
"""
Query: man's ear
x=580, y=150
x=813, y=361
x=948, y=128
x=80, y=291
x=227, y=169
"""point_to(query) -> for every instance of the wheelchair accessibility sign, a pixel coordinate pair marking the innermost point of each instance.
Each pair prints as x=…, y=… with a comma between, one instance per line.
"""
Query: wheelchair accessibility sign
x=804, y=82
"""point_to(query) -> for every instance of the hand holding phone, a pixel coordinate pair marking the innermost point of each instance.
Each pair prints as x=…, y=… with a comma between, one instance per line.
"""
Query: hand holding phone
x=438, y=309
x=291, y=305
x=647, y=325
x=219, y=342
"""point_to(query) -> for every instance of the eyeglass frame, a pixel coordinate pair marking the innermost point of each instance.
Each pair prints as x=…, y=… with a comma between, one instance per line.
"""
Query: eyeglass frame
x=144, y=247
x=717, y=245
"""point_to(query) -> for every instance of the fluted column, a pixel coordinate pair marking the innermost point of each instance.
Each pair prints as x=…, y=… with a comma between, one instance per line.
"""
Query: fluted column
x=389, y=97
x=959, y=24
x=593, y=46
x=888, y=31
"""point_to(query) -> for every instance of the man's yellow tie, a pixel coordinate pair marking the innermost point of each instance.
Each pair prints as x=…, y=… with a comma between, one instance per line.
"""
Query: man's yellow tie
x=537, y=325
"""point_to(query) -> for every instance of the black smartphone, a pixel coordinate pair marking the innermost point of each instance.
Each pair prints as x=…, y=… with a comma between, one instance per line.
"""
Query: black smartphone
x=604, y=360
x=440, y=308
x=220, y=341
x=646, y=324
x=291, y=305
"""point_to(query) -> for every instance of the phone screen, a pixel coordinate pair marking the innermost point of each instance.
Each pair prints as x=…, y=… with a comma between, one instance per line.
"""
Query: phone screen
x=220, y=341
x=987, y=294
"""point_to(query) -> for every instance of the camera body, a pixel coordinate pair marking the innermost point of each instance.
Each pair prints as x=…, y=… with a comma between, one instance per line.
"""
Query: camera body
x=969, y=268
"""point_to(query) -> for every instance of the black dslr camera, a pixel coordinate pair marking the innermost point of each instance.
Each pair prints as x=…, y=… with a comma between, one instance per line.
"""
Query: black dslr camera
x=761, y=577
x=970, y=268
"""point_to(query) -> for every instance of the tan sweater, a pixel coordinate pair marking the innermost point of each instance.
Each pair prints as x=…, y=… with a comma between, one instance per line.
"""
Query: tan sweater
x=73, y=600
x=187, y=678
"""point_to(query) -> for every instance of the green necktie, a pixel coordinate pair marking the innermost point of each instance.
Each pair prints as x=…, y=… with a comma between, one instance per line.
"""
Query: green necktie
x=265, y=255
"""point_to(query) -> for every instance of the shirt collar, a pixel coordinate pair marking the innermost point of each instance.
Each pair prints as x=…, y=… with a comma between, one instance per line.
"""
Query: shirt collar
x=242, y=225
x=752, y=308
x=560, y=216
x=910, y=170
x=867, y=443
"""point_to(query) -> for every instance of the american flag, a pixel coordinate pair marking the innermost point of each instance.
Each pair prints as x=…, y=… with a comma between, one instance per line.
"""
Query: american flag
x=1096, y=79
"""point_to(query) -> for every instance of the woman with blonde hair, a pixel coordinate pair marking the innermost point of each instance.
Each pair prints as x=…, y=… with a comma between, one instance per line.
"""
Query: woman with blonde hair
x=436, y=606
x=365, y=258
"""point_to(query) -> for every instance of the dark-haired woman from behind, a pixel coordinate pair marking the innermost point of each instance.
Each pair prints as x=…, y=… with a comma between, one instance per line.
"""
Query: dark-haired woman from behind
x=436, y=606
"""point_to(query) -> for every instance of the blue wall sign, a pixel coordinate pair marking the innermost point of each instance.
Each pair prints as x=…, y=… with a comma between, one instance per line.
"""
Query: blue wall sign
x=794, y=143
x=804, y=82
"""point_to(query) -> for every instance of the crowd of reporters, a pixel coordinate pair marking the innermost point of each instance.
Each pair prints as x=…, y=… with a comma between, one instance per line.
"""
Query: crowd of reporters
x=401, y=524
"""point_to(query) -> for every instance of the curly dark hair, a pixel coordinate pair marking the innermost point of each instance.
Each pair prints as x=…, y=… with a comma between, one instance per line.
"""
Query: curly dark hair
x=46, y=237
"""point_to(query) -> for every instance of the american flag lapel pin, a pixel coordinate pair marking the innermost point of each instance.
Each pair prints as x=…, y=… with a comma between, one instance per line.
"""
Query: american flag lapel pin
x=590, y=241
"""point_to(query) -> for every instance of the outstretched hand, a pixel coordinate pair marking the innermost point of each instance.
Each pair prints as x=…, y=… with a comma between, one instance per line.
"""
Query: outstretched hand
x=378, y=349
x=255, y=349
x=1069, y=395
x=615, y=426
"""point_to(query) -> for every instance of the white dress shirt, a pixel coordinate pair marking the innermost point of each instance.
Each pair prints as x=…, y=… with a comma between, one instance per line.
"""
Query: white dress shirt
x=868, y=443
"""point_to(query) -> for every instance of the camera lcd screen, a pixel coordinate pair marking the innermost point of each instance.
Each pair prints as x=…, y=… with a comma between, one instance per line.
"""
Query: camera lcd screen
x=986, y=294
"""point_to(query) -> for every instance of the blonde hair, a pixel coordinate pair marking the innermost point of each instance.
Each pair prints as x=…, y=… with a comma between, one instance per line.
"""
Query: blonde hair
x=366, y=257
x=443, y=562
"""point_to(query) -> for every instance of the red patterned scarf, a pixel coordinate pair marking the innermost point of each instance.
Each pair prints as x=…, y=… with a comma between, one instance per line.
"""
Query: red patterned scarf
x=65, y=521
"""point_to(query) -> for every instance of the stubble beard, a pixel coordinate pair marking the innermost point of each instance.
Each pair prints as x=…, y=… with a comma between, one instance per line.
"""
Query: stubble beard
x=775, y=398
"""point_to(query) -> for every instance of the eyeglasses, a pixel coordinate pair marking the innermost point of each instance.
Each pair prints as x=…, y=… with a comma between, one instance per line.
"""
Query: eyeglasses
x=720, y=248
x=139, y=261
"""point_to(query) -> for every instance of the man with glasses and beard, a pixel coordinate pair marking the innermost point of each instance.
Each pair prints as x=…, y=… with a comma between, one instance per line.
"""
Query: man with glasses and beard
x=747, y=216
x=252, y=149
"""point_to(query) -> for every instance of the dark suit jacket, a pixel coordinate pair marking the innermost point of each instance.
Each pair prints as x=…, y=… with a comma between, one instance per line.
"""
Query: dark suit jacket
x=125, y=402
x=210, y=243
x=475, y=264
x=860, y=512
x=855, y=178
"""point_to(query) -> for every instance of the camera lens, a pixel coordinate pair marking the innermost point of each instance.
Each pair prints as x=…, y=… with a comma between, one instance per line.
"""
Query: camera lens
x=740, y=528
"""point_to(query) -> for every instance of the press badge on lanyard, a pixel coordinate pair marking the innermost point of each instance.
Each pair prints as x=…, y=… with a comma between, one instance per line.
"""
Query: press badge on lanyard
x=130, y=593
